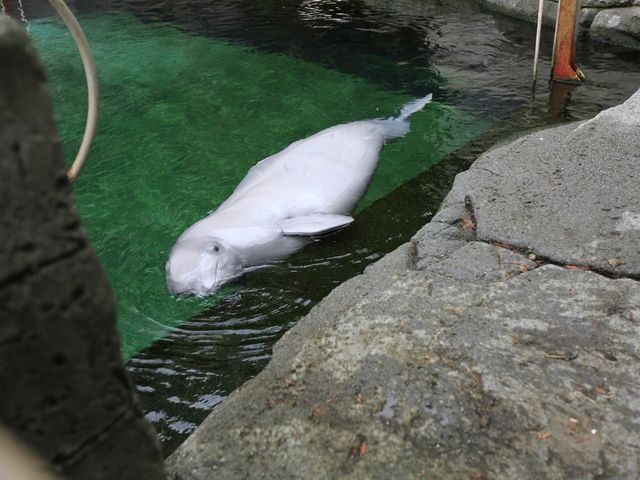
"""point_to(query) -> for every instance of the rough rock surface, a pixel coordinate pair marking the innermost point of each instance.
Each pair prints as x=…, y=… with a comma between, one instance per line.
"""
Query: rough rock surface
x=63, y=386
x=500, y=343
x=609, y=3
x=524, y=9
x=596, y=223
x=609, y=21
x=619, y=26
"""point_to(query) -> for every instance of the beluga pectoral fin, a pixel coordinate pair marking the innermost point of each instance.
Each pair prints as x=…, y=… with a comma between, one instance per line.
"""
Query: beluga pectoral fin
x=314, y=224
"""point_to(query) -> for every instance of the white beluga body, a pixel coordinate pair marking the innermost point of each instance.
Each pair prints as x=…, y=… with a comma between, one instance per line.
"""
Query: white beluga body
x=307, y=189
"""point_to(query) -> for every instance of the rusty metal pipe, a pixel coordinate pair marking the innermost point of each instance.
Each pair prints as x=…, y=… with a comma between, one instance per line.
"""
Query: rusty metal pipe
x=564, y=68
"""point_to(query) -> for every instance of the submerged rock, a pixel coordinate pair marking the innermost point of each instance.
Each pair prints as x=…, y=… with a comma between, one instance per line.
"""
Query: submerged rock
x=501, y=342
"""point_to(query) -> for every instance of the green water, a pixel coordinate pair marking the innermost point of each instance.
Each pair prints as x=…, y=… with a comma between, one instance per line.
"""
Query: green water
x=182, y=119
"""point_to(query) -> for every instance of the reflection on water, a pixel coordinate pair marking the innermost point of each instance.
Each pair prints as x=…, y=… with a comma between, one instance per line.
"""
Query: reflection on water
x=475, y=62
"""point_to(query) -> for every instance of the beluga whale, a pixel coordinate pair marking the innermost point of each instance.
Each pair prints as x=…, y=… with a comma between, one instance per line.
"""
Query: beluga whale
x=308, y=189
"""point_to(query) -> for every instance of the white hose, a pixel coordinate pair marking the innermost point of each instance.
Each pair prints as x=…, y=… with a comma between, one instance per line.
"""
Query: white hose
x=92, y=86
x=538, y=34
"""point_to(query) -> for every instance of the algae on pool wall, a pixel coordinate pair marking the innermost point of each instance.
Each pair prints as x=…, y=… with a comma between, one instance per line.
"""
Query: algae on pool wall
x=182, y=119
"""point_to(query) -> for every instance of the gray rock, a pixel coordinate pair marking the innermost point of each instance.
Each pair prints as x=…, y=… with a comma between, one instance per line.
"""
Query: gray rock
x=582, y=210
x=608, y=3
x=398, y=376
x=586, y=16
x=618, y=26
x=524, y=9
x=611, y=21
x=472, y=351
x=64, y=388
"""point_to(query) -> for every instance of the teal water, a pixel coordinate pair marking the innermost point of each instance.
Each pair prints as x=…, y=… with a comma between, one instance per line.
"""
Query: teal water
x=183, y=117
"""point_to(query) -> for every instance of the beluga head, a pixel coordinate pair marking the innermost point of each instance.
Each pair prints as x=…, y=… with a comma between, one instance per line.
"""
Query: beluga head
x=200, y=266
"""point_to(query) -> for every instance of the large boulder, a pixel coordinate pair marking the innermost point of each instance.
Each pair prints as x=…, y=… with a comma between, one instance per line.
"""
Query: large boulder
x=64, y=388
x=618, y=26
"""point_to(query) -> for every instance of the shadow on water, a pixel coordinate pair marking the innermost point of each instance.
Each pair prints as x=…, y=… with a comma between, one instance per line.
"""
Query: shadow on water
x=471, y=59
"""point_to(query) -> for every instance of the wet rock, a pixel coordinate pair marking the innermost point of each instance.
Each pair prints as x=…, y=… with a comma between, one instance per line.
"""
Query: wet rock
x=64, y=389
x=474, y=351
x=618, y=26
x=608, y=3
x=586, y=16
x=524, y=9
x=610, y=21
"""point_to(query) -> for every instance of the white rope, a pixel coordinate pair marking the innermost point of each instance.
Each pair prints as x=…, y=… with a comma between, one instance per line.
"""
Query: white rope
x=555, y=37
x=92, y=86
x=538, y=34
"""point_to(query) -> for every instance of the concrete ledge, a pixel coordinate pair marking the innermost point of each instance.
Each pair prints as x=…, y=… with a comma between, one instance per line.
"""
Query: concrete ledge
x=474, y=351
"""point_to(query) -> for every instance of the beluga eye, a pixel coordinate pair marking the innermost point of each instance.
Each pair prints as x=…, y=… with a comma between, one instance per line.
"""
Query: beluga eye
x=216, y=248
